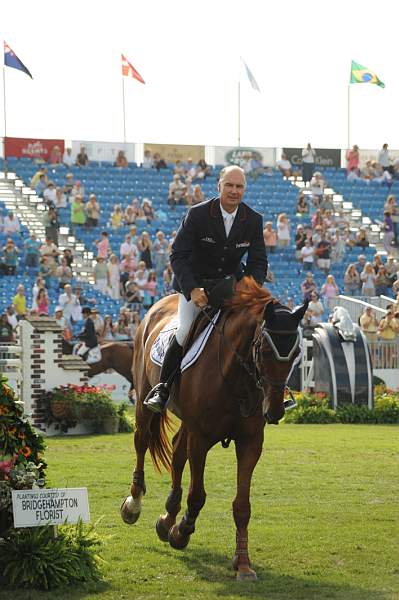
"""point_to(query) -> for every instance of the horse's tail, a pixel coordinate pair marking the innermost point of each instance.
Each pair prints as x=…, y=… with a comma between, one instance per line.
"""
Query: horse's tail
x=159, y=444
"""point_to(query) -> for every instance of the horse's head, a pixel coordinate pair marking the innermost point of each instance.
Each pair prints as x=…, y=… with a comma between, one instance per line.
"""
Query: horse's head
x=275, y=349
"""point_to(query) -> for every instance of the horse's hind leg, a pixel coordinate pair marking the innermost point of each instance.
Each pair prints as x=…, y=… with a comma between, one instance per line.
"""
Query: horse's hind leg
x=248, y=451
x=173, y=502
x=179, y=535
x=131, y=507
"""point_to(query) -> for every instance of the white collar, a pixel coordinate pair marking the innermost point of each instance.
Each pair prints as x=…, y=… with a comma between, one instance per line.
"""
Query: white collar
x=226, y=214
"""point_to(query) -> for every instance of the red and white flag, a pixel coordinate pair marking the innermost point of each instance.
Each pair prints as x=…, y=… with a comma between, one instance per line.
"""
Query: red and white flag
x=129, y=71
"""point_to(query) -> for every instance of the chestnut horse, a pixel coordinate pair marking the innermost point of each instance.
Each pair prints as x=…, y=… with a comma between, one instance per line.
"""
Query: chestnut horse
x=114, y=355
x=239, y=377
x=117, y=356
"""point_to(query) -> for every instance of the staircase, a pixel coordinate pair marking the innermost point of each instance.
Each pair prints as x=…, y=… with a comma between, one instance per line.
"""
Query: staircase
x=354, y=215
x=30, y=208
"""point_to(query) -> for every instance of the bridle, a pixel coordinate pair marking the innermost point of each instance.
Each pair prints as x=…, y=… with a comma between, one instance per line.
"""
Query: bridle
x=265, y=333
x=254, y=368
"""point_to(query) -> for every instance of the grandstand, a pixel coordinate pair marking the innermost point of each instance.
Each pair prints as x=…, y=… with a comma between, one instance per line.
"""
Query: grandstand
x=270, y=194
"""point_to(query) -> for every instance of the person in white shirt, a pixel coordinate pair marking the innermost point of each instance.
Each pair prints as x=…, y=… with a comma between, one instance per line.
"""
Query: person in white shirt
x=283, y=230
x=317, y=188
x=50, y=194
x=130, y=249
x=284, y=166
x=67, y=158
x=140, y=277
x=60, y=199
x=383, y=157
x=307, y=254
x=315, y=309
x=70, y=305
x=308, y=162
x=191, y=169
x=11, y=224
x=11, y=316
x=148, y=161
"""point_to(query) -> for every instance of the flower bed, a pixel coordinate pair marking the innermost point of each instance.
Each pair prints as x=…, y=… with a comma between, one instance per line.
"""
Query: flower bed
x=314, y=408
x=68, y=405
x=34, y=557
x=22, y=464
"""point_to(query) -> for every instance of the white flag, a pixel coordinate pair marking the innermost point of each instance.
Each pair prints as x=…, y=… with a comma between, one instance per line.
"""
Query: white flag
x=251, y=78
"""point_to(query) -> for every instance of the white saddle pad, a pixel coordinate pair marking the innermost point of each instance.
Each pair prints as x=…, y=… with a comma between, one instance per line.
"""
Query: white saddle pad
x=161, y=343
x=94, y=355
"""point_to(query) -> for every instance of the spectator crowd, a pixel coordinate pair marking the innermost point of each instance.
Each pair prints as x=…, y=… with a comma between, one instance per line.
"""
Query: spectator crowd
x=137, y=271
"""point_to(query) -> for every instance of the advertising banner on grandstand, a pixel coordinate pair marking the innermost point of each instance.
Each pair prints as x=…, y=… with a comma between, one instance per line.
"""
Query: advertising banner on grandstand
x=230, y=155
x=325, y=157
x=104, y=150
x=173, y=152
x=31, y=147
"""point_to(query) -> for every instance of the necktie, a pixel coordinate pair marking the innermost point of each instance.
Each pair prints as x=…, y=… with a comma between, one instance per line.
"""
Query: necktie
x=228, y=223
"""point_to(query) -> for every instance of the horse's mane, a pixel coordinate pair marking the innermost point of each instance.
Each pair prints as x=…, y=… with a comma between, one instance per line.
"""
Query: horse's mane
x=249, y=294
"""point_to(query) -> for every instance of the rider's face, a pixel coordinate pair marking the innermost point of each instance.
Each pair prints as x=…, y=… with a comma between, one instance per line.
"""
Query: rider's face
x=231, y=189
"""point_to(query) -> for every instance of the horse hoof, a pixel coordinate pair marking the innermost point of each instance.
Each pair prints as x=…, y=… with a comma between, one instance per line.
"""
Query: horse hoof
x=177, y=541
x=247, y=575
x=162, y=532
x=131, y=509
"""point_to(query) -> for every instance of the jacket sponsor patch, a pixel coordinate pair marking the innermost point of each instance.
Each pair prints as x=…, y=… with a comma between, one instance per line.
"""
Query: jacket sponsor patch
x=242, y=245
x=209, y=240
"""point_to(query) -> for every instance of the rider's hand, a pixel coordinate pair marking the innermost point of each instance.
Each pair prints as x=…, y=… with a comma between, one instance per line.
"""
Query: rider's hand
x=199, y=297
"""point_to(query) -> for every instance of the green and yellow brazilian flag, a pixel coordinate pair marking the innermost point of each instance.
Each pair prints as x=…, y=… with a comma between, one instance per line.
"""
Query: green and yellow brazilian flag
x=360, y=74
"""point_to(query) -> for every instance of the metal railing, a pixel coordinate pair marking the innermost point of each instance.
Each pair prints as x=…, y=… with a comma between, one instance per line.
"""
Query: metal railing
x=384, y=354
x=356, y=306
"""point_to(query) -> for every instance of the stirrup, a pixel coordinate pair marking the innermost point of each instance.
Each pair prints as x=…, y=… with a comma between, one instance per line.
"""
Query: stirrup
x=157, y=398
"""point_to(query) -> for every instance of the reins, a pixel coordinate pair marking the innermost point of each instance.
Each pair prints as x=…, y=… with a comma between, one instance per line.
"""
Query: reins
x=254, y=373
x=251, y=372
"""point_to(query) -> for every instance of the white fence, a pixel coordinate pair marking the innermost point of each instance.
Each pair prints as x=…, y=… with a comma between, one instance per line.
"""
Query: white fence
x=11, y=365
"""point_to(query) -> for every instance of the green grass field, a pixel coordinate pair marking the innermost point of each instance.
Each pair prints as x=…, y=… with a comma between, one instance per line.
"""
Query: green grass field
x=324, y=519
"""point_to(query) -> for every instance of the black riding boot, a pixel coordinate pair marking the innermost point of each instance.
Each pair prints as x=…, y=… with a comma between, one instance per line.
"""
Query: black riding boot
x=159, y=395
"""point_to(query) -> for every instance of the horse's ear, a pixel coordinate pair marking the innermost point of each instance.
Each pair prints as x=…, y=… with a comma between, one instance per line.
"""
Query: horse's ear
x=268, y=313
x=299, y=313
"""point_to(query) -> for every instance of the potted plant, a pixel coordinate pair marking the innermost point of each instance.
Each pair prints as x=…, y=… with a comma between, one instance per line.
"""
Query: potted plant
x=102, y=413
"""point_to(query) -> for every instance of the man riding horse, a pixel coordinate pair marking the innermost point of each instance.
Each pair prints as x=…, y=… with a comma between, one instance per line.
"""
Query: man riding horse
x=208, y=248
x=87, y=337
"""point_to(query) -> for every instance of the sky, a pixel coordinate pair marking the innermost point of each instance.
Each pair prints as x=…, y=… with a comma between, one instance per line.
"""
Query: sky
x=189, y=55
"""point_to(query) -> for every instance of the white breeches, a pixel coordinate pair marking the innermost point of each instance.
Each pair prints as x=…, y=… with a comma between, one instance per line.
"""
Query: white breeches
x=80, y=349
x=187, y=311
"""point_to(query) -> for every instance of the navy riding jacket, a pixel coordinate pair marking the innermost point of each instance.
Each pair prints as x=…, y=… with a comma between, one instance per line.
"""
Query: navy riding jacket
x=202, y=251
x=88, y=334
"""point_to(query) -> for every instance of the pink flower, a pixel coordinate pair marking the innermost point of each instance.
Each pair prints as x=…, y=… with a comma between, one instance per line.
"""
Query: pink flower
x=5, y=468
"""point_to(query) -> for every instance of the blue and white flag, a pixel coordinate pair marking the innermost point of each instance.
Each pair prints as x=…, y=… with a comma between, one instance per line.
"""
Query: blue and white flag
x=12, y=60
x=251, y=78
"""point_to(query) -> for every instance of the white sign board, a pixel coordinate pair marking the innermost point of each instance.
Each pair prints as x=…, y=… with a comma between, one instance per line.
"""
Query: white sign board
x=104, y=150
x=229, y=155
x=33, y=508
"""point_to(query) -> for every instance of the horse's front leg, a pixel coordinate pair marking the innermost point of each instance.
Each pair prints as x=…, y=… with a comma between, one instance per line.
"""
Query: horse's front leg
x=179, y=535
x=248, y=451
x=131, y=507
x=173, y=503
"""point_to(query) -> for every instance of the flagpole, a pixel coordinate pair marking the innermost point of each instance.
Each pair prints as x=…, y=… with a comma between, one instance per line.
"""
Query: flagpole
x=124, y=113
x=5, y=122
x=239, y=114
x=349, y=116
